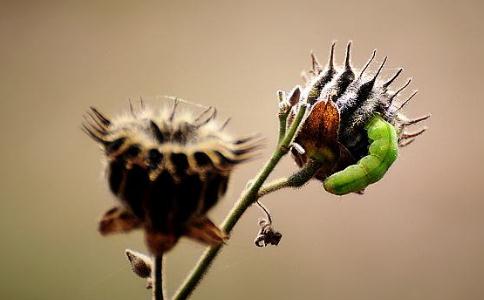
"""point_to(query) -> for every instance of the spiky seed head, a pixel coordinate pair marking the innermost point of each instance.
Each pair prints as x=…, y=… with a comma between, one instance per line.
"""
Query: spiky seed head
x=356, y=100
x=168, y=169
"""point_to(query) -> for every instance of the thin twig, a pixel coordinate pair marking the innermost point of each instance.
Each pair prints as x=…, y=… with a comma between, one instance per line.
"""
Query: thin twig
x=248, y=197
x=266, y=211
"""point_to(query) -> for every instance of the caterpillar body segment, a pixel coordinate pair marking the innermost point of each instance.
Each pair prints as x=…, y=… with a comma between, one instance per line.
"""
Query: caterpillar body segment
x=383, y=151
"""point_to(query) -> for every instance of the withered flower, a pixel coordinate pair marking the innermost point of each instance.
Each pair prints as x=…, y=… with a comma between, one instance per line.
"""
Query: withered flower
x=343, y=103
x=167, y=170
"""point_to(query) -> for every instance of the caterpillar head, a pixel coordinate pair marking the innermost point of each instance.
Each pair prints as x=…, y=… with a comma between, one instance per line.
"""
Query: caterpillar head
x=167, y=169
x=342, y=101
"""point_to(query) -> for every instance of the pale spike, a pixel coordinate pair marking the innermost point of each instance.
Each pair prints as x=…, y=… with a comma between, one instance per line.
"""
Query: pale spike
x=100, y=116
x=367, y=64
x=416, y=120
x=141, y=103
x=331, y=57
x=405, y=143
x=406, y=135
x=348, y=56
x=389, y=81
x=398, y=91
x=317, y=68
x=224, y=124
x=379, y=69
x=173, y=110
x=305, y=77
x=131, y=109
x=408, y=99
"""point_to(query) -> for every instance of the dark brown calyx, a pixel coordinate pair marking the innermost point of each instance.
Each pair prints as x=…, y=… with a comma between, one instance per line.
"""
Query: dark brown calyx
x=318, y=135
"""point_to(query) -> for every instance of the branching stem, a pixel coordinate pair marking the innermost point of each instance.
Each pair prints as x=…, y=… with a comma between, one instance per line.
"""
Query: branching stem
x=295, y=180
x=248, y=197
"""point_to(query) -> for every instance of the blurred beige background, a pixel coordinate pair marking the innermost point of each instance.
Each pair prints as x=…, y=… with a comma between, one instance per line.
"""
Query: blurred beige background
x=417, y=234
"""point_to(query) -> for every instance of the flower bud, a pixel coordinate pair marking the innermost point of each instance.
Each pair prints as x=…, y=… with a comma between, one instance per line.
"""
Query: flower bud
x=140, y=263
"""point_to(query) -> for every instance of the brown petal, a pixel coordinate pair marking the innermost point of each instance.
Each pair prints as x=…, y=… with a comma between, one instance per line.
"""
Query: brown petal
x=118, y=220
x=206, y=232
x=319, y=132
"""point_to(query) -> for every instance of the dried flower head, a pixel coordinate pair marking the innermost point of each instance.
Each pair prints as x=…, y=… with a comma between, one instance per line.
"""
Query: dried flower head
x=343, y=102
x=168, y=170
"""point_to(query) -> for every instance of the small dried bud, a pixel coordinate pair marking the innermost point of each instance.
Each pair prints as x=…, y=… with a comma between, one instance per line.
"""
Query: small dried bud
x=267, y=235
x=140, y=263
x=286, y=103
x=295, y=96
x=284, y=106
x=281, y=95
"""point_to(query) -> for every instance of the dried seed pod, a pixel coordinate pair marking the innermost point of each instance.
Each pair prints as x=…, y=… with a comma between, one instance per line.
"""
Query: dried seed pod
x=140, y=263
x=342, y=105
x=168, y=170
x=267, y=235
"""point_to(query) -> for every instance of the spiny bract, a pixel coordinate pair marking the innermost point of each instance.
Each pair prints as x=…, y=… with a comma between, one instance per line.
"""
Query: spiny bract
x=342, y=101
x=167, y=169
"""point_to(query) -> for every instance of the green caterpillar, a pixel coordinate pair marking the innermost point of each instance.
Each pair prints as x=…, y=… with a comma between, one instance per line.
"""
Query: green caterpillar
x=383, y=152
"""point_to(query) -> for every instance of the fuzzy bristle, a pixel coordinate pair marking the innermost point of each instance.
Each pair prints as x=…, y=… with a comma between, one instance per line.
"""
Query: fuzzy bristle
x=392, y=79
x=317, y=68
x=407, y=100
x=331, y=57
x=348, y=56
x=372, y=57
x=395, y=94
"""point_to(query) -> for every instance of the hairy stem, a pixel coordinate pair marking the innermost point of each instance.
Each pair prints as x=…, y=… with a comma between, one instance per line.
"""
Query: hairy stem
x=158, y=278
x=282, y=126
x=283, y=113
x=295, y=180
x=248, y=197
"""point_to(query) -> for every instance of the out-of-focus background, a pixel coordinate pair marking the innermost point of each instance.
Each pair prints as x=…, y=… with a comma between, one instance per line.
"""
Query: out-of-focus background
x=417, y=234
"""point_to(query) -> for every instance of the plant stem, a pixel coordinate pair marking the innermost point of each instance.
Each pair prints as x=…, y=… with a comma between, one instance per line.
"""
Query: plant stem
x=282, y=126
x=283, y=113
x=158, y=278
x=248, y=197
x=295, y=180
